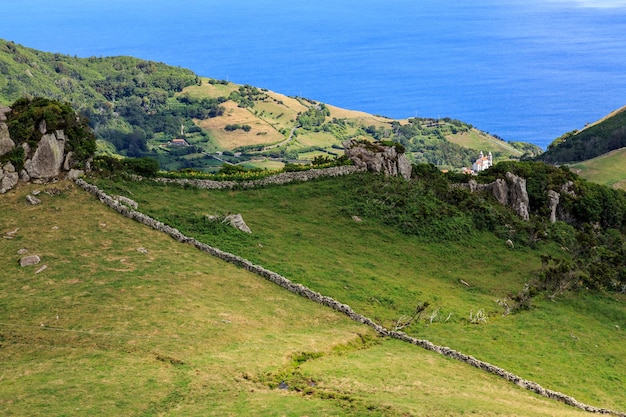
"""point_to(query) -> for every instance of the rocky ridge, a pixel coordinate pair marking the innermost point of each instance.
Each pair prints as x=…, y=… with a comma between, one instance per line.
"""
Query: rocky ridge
x=377, y=157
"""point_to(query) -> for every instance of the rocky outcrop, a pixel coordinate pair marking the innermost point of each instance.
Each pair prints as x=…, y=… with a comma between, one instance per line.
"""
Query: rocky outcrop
x=236, y=221
x=49, y=155
x=553, y=204
x=377, y=157
x=47, y=159
x=510, y=192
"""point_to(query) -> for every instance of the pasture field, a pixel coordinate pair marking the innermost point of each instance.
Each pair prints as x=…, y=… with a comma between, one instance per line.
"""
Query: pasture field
x=573, y=343
x=126, y=321
x=608, y=169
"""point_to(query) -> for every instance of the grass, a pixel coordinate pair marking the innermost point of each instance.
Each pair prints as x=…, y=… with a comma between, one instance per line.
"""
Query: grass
x=108, y=329
x=302, y=232
x=260, y=132
x=608, y=169
x=475, y=139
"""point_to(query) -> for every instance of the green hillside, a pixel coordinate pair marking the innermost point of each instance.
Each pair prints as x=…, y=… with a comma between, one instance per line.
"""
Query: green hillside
x=124, y=320
x=599, y=138
x=139, y=107
x=608, y=169
x=400, y=257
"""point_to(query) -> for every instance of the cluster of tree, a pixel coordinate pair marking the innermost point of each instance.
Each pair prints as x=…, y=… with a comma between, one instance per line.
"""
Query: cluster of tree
x=598, y=139
x=107, y=166
x=313, y=117
x=233, y=127
x=246, y=95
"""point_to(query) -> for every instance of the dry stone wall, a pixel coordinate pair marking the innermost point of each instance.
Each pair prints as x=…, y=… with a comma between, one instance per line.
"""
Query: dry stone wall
x=303, y=291
x=278, y=179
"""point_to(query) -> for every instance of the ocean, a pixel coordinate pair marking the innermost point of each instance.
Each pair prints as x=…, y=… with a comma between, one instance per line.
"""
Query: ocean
x=523, y=70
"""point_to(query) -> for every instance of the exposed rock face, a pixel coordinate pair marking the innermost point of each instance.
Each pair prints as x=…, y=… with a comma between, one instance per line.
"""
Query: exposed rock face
x=553, y=203
x=44, y=161
x=518, y=196
x=8, y=176
x=6, y=144
x=510, y=192
x=378, y=158
x=49, y=156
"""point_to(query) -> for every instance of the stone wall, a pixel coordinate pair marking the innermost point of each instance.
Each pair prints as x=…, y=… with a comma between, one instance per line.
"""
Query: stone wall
x=278, y=179
x=335, y=305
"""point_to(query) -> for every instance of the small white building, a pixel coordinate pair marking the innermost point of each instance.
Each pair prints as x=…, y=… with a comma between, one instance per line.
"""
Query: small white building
x=483, y=162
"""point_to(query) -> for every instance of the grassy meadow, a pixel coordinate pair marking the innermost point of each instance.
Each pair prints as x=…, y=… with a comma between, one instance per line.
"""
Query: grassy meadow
x=126, y=321
x=608, y=169
x=572, y=343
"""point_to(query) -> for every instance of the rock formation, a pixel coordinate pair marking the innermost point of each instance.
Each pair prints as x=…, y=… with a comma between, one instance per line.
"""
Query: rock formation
x=236, y=221
x=46, y=160
x=510, y=192
x=553, y=203
x=377, y=157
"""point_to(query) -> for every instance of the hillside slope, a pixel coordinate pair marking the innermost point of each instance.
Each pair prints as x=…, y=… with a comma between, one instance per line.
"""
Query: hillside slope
x=608, y=169
x=384, y=265
x=124, y=320
x=140, y=107
x=596, y=139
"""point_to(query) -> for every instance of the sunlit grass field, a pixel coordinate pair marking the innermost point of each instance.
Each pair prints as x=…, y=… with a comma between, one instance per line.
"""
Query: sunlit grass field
x=608, y=169
x=126, y=321
x=574, y=343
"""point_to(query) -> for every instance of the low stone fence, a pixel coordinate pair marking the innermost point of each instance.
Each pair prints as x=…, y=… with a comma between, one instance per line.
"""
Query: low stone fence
x=303, y=291
x=278, y=179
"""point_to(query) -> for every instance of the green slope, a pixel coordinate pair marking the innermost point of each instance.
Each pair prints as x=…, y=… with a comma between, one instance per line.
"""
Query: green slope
x=571, y=342
x=125, y=321
x=608, y=169
x=601, y=137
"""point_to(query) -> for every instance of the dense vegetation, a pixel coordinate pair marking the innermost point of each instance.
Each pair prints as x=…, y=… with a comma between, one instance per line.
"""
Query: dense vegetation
x=595, y=140
x=126, y=100
x=26, y=116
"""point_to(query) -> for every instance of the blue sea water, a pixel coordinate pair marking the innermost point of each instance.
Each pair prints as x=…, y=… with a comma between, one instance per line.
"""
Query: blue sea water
x=524, y=70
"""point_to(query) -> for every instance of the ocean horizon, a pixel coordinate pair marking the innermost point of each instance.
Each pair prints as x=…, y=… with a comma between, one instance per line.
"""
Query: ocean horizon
x=525, y=71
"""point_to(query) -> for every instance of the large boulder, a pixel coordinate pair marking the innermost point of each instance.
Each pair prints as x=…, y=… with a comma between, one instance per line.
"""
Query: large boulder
x=378, y=157
x=236, y=221
x=49, y=156
x=8, y=177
